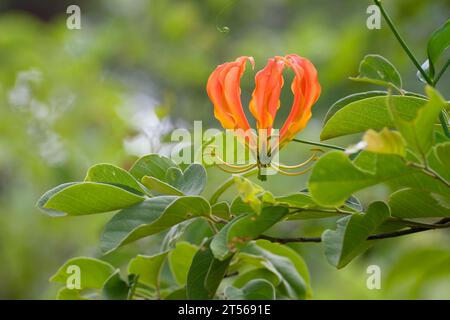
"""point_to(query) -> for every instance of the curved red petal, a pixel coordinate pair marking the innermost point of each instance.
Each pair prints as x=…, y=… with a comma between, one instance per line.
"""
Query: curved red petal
x=266, y=96
x=306, y=90
x=224, y=90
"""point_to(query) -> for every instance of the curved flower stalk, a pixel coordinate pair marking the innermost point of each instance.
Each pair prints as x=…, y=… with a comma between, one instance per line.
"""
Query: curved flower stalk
x=224, y=90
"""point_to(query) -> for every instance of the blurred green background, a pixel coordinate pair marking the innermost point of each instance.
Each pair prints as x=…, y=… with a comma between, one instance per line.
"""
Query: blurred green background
x=137, y=69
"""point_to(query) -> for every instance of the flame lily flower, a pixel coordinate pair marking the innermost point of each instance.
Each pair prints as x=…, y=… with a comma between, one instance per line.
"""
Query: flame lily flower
x=224, y=90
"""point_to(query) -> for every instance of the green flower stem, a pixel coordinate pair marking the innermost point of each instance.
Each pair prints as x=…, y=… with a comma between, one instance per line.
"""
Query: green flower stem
x=228, y=183
x=318, y=144
x=408, y=51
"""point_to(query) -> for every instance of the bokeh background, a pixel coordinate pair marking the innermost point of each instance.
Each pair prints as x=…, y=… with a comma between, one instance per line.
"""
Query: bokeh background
x=137, y=69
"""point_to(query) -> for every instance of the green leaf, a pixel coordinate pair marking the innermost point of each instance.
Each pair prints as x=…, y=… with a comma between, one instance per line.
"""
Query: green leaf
x=148, y=268
x=87, y=198
x=349, y=239
x=442, y=154
x=411, y=203
x=239, y=207
x=153, y=165
x=369, y=113
x=378, y=70
x=190, y=182
x=338, y=105
x=180, y=260
x=257, y=289
x=418, y=132
x=174, y=234
x=205, y=274
x=107, y=173
x=353, y=203
x=46, y=196
x=258, y=273
x=385, y=141
x=311, y=210
x=437, y=161
x=437, y=44
x=335, y=177
x=249, y=192
x=93, y=272
x=286, y=264
x=69, y=294
x=160, y=186
x=179, y=294
x=293, y=256
x=115, y=287
x=221, y=210
x=149, y=217
x=243, y=229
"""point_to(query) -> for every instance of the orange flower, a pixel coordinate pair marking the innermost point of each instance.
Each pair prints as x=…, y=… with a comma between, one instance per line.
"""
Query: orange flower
x=224, y=91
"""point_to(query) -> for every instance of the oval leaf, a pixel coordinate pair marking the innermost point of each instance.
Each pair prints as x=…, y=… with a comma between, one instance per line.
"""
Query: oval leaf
x=243, y=229
x=418, y=131
x=338, y=105
x=349, y=239
x=205, y=274
x=46, y=196
x=257, y=289
x=286, y=264
x=92, y=272
x=190, y=182
x=410, y=203
x=160, y=186
x=180, y=260
x=369, y=113
x=147, y=268
x=149, y=217
x=438, y=43
x=153, y=165
x=378, y=70
x=115, y=287
x=108, y=173
x=88, y=198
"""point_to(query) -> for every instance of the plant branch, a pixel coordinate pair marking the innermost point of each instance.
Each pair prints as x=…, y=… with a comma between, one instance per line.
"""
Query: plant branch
x=288, y=240
x=318, y=144
x=377, y=236
x=409, y=223
x=336, y=210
